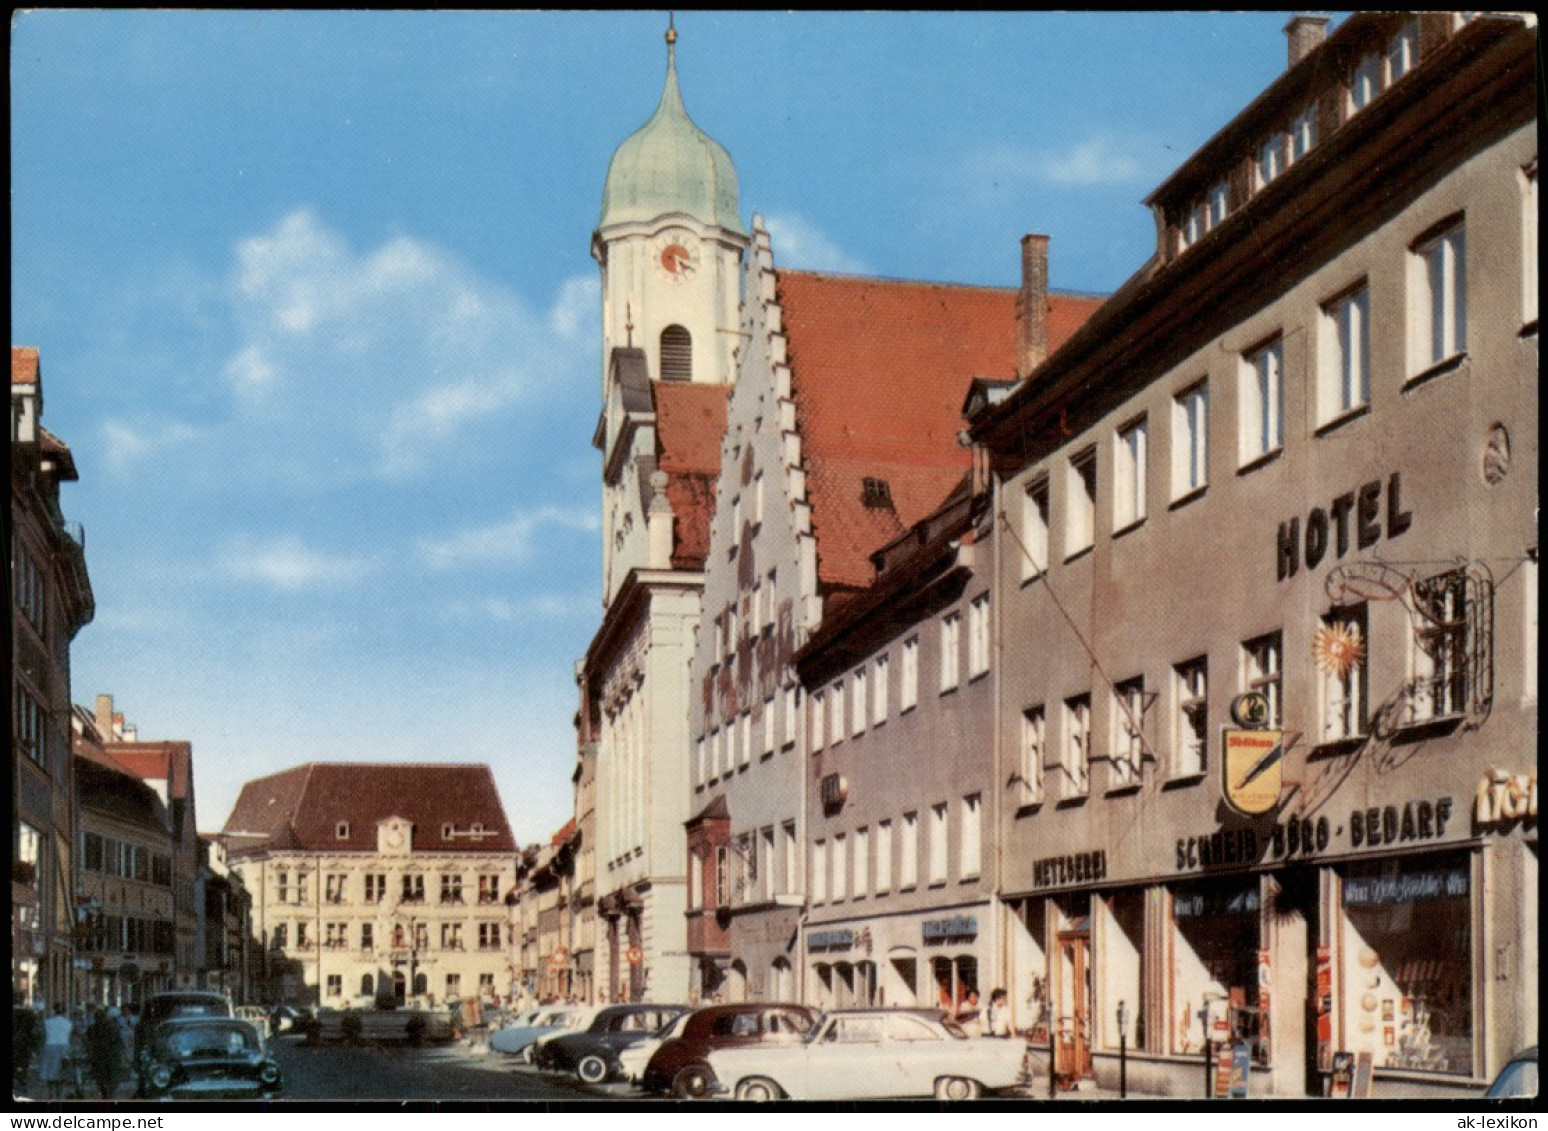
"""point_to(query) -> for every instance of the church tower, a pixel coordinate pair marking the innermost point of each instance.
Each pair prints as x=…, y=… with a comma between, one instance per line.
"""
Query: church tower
x=669, y=244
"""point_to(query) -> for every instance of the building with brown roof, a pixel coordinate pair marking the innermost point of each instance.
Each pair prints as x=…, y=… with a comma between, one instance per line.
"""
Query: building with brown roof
x=51, y=601
x=375, y=881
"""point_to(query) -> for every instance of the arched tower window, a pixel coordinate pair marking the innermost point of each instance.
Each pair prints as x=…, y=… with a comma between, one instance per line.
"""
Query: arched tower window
x=676, y=354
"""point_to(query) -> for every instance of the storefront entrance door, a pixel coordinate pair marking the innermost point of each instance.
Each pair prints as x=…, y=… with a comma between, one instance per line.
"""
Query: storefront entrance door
x=1073, y=1012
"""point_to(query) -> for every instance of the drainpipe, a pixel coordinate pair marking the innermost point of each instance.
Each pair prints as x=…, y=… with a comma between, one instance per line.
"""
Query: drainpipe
x=997, y=914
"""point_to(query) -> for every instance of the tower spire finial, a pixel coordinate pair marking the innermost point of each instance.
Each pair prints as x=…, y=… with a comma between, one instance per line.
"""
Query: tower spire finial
x=671, y=31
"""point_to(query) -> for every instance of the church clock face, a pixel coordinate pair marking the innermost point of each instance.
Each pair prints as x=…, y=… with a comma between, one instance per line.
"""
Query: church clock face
x=675, y=256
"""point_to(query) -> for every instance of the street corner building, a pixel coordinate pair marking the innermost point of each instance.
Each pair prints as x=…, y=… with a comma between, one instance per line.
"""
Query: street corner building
x=377, y=883
x=51, y=601
x=1266, y=593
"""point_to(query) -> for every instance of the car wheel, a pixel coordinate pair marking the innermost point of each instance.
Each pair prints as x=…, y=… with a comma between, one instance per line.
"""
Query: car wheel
x=526, y=1055
x=692, y=1082
x=592, y=1069
x=757, y=1090
x=956, y=1088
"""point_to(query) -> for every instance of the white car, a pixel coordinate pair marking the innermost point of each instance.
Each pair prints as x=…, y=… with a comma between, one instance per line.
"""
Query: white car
x=871, y=1054
x=632, y=1060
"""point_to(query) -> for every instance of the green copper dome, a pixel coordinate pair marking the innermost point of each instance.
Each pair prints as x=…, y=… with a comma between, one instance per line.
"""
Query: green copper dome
x=670, y=165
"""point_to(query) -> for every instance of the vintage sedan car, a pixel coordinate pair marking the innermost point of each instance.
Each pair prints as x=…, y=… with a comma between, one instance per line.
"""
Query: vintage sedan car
x=592, y=1053
x=678, y=1062
x=870, y=1054
x=523, y=1035
x=1518, y=1079
x=173, y=1004
x=207, y=1058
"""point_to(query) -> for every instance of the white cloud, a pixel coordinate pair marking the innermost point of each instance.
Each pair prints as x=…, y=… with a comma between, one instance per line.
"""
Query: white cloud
x=1094, y=161
x=533, y=606
x=798, y=244
x=379, y=360
x=126, y=443
x=286, y=563
x=513, y=539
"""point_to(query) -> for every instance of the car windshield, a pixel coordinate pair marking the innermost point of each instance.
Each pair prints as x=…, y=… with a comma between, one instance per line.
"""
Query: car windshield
x=213, y=1040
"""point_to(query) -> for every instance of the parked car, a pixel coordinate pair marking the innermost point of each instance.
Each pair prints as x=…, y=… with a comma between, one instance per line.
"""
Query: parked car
x=1518, y=1079
x=871, y=1053
x=521, y=1037
x=257, y=1014
x=679, y=1062
x=207, y=1058
x=177, y=1003
x=292, y=1018
x=592, y=1053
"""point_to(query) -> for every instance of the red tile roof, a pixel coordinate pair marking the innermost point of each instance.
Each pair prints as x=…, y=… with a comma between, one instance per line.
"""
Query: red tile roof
x=301, y=808
x=879, y=371
x=690, y=421
x=171, y=762
x=24, y=365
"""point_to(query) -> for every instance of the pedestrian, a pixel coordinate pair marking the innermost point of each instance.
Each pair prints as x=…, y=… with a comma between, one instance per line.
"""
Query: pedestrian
x=999, y=1014
x=967, y=1015
x=26, y=1041
x=104, y=1053
x=56, y=1047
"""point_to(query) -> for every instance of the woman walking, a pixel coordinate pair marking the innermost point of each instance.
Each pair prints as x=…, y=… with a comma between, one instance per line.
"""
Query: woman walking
x=104, y=1053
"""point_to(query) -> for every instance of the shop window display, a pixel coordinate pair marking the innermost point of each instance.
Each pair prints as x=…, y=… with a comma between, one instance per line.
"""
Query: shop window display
x=1120, y=960
x=1408, y=963
x=1214, y=961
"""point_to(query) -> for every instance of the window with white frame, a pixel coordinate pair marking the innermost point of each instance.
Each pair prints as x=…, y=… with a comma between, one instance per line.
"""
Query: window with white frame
x=1365, y=82
x=1344, y=378
x=971, y=848
x=1402, y=52
x=1034, y=528
x=792, y=715
x=766, y=861
x=1262, y=672
x=840, y=867
x=908, y=852
x=978, y=636
x=699, y=767
x=1529, y=243
x=1193, y=227
x=790, y=878
x=1130, y=456
x=756, y=625
x=1080, y=519
x=951, y=648
x=819, y=877
x=862, y=876
x=818, y=710
x=1190, y=440
x=746, y=737
x=1219, y=203
x=758, y=499
x=1270, y=162
x=908, y=688
x=1034, y=725
x=1438, y=651
x=1303, y=133
x=940, y=831
x=720, y=639
x=723, y=876
x=1191, y=735
x=733, y=632
x=1128, y=730
x=858, y=704
x=879, y=706
x=768, y=725
x=883, y=857
x=1262, y=401
x=1340, y=651
x=1440, y=311
x=837, y=719
x=1077, y=746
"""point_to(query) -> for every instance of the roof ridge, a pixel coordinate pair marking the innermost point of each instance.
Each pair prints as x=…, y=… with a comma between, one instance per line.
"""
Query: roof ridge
x=892, y=280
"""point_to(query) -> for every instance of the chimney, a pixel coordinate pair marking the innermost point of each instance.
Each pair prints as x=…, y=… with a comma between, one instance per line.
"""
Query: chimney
x=1306, y=34
x=1032, y=305
x=104, y=717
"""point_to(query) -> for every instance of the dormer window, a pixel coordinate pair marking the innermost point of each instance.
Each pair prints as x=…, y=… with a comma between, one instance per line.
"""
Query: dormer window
x=448, y=831
x=1303, y=133
x=1365, y=83
x=875, y=493
x=1219, y=204
x=341, y=830
x=1402, y=52
x=1271, y=161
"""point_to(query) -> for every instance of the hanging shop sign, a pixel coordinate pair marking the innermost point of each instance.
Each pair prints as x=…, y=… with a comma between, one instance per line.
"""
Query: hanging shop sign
x=1252, y=770
x=956, y=927
x=1357, y=513
x=1504, y=798
x=635, y=955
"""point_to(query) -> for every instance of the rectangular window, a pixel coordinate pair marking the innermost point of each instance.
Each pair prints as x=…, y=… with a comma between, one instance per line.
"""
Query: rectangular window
x=1033, y=736
x=303, y=935
x=1080, y=525
x=951, y=649
x=766, y=863
x=1261, y=672
x=375, y=887
x=1340, y=651
x=367, y=936
x=836, y=717
x=1219, y=204
x=1441, y=311
x=334, y=889
x=1344, y=378
x=720, y=638
x=908, y=691
x=413, y=888
x=758, y=499
x=908, y=856
x=1262, y=401
x=792, y=715
x=489, y=936
x=1129, y=459
x=787, y=832
x=1402, y=51
x=971, y=850
x=819, y=871
x=1077, y=746
x=1190, y=440
x=29, y=729
x=1303, y=133
x=939, y=832
x=1034, y=529
x=451, y=936
x=1438, y=653
x=746, y=737
x=883, y=857
x=282, y=887
x=696, y=892
x=699, y=764
x=818, y=703
x=1365, y=83
x=1529, y=245
x=879, y=693
x=1193, y=227
x=1191, y=686
x=334, y=936
x=93, y=852
x=858, y=704
x=840, y=867
x=723, y=876
x=454, y=987
x=489, y=888
x=862, y=879
x=335, y=985
x=1128, y=730
x=768, y=725
x=978, y=636
x=1270, y=162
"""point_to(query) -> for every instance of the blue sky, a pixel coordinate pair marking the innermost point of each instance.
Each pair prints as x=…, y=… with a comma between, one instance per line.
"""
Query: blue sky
x=317, y=315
